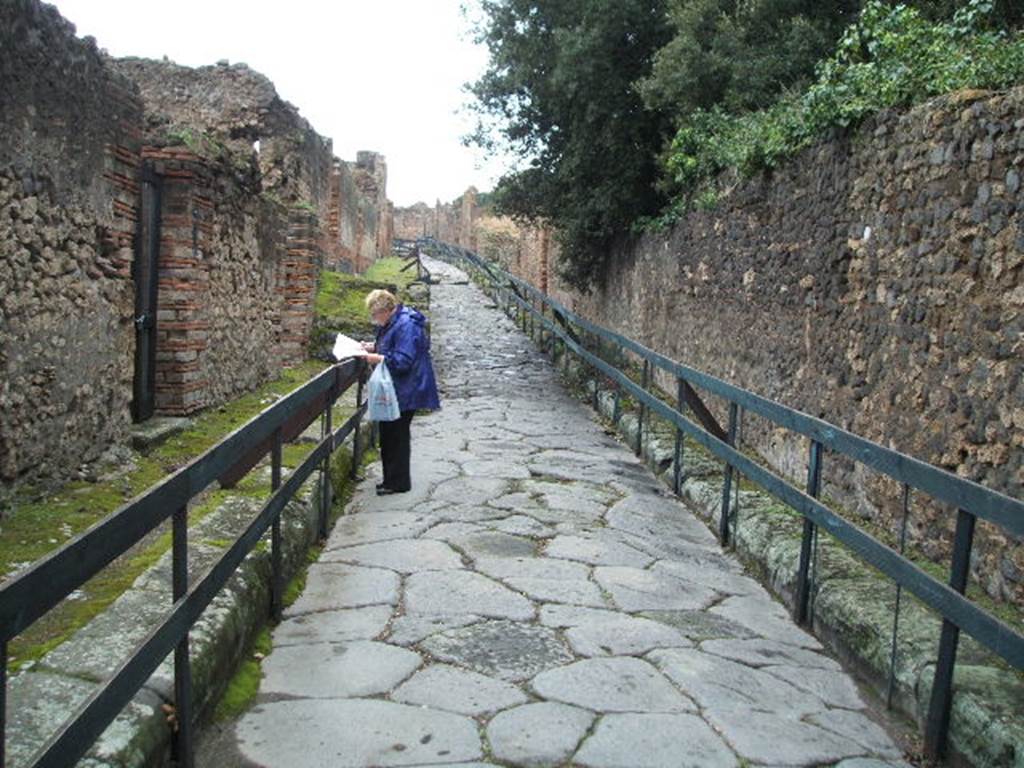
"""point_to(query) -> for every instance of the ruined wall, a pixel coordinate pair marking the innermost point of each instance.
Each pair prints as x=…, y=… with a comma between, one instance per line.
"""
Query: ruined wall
x=876, y=282
x=69, y=143
x=254, y=205
x=414, y=221
x=454, y=222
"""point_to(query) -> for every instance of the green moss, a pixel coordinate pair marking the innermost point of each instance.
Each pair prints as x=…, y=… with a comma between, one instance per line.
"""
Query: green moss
x=36, y=525
x=389, y=270
x=245, y=684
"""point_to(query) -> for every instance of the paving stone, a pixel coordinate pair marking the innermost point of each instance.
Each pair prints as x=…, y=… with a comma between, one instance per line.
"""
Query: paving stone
x=870, y=762
x=379, y=526
x=834, y=687
x=496, y=468
x=440, y=686
x=358, y=668
x=633, y=589
x=654, y=741
x=333, y=626
x=612, y=685
x=451, y=593
x=596, y=552
x=726, y=685
x=765, y=618
x=502, y=649
x=619, y=635
x=859, y=728
x=451, y=532
x=712, y=570
x=658, y=519
x=573, y=592
x=469, y=513
x=470, y=490
x=532, y=568
x=523, y=525
x=330, y=586
x=758, y=652
x=765, y=737
x=409, y=630
x=573, y=616
x=699, y=625
x=495, y=544
x=365, y=499
x=402, y=555
x=540, y=734
x=354, y=733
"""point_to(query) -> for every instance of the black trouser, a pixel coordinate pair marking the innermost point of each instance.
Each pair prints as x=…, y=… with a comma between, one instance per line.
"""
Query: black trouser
x=394, y=451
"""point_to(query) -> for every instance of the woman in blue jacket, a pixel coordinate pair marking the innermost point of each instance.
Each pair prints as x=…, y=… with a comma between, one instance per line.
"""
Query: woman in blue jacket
x=403, y=344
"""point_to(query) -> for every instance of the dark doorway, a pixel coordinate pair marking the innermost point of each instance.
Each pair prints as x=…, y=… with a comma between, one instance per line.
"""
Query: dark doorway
x=145, y=273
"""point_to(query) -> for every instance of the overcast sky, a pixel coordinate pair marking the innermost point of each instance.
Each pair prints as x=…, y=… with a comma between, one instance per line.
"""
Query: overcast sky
x=384, y=75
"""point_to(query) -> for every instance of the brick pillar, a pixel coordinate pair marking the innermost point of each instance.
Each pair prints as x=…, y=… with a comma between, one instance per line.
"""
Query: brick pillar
x=296, y=284
x=182, y=317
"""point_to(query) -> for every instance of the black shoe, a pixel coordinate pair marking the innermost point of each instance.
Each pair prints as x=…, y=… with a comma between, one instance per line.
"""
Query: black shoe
x=383, y=490
x=380, y=486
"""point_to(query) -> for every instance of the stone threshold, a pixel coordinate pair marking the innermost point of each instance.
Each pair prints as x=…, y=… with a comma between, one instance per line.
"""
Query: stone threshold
x=853, y=605
x=41, y=697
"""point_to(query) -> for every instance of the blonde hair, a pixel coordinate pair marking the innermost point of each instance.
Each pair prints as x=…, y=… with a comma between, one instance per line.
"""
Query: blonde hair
x=381, y=299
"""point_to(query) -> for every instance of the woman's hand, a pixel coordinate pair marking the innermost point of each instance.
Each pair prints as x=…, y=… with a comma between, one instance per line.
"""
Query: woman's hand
x=372, y=357
x=367, y=345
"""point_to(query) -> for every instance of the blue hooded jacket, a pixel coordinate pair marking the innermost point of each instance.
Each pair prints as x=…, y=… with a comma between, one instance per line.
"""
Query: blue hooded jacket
x=406, y=349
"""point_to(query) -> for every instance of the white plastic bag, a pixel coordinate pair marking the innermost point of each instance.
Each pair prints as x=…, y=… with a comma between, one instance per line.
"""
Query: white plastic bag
x=382, y=403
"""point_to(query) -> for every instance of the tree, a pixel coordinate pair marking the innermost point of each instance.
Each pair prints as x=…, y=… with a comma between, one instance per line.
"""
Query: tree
x=741, y=54
x=559, y=92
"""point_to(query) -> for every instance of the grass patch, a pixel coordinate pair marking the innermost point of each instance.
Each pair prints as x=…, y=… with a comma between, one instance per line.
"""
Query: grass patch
x=245, y=684
x=389, y=270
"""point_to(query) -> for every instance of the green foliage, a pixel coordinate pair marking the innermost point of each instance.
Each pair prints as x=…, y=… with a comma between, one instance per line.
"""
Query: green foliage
x=559, y=92
x=892, y=57
x=741, y=55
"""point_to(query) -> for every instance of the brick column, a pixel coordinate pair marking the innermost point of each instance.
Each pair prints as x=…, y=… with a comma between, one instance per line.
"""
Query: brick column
x=182, y=318
x=296, y=284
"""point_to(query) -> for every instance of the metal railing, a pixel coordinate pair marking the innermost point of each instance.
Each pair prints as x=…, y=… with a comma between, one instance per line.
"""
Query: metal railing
x=971, y=500
x=26, y=597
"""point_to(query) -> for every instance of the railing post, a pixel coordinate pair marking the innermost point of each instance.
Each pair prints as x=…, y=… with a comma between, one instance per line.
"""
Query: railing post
x=677, y=453
x=803, y=586
x=899, y=595
x=3, y=703
x=277, y=575
x=644, y=384
x=325, y=468
x=357, y=449
x=723, y=521
x=182, y=740
x=937, y=728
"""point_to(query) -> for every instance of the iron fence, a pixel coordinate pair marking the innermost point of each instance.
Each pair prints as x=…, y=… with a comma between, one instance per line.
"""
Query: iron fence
x=28, y=596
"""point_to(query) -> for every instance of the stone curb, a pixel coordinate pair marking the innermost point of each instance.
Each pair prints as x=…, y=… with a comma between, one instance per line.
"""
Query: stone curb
x=853, y=606
x=41, y=698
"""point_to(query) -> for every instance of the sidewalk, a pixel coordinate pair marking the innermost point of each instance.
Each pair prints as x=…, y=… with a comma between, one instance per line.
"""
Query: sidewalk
x=537, y=599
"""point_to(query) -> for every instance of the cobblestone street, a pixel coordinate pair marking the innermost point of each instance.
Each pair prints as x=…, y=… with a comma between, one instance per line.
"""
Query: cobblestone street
x=538, y=599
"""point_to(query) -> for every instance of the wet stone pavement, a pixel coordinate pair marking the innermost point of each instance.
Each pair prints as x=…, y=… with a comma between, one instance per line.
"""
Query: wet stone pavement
x=538, y=599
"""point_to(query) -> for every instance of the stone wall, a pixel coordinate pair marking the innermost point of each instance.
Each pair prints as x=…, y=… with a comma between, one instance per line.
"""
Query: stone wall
x=255, y=204
x=875, y=282
x=69, y=147
x=454, y=222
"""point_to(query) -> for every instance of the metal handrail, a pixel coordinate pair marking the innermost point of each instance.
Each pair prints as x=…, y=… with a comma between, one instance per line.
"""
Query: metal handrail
x=29, y=595
x=971, y=499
